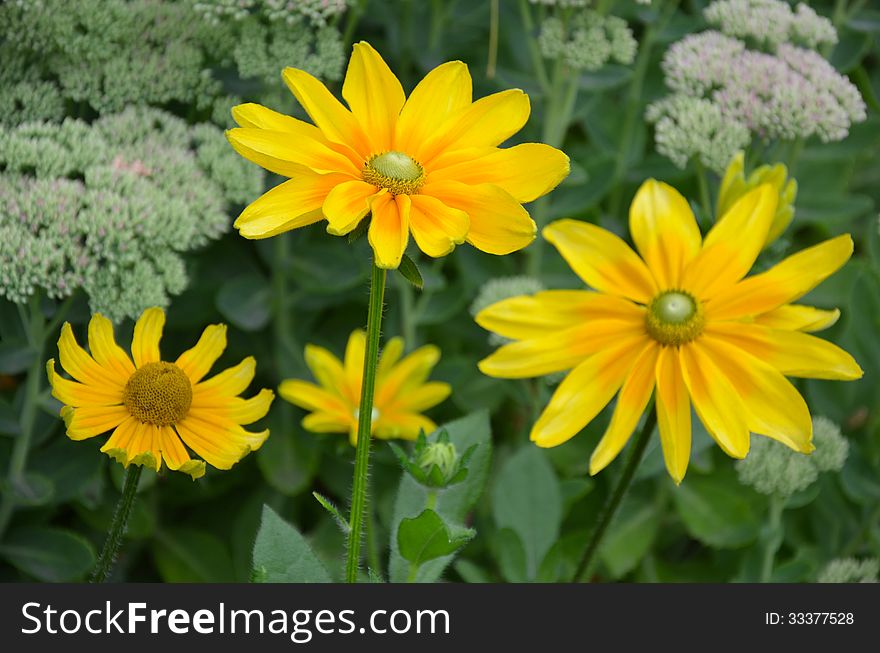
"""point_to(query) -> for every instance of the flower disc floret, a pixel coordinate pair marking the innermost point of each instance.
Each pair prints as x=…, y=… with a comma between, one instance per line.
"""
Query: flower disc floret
x=158, y=393
x=674, y=318
x=394, y=171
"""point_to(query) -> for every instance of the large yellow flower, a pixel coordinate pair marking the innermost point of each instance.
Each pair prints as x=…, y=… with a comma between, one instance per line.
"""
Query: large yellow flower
x=151, y=405
x=427, y=165
x=401, y=394
x=682, y=319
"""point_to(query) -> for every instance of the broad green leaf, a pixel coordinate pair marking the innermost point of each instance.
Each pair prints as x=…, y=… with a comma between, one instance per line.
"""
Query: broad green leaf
x=427, y=537
x=31, y=490
x=510, y=555
x=15, y=357
x=454, y=504
x=717, y=510
x=631, y=534
x=282, y=555
x=288, y=460
x=48, y=554
x=527, y=499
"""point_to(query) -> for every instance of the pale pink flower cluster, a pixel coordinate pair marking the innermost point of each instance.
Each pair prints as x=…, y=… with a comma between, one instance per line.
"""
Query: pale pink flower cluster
x=794, y=93
x=771, y=22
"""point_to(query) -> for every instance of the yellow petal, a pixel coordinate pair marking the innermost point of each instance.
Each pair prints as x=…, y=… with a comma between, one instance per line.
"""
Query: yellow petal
x=287, y=153
x=220, y=447
x=147, y=334
x=436, y=228
x=390, y=355
x=534, y=316
x=290, y=205
x=389, y=229
x=423, y=397
x=248, y=411
x=105, y=350
x=229, y=382
x=715, y=400
x=197, y=362
x=442, y=92
x=402, y=426
x=407, y=375
x=631, y=402
x=526, y=171
x=498, y=223
x=328, y=370
x=89, y=421
x=347, y=204
x=773, y=406
x=76, y=361
x=76, y=394
x=144, y=448
x=673, y=413
x=733, y=244
x=374, y=95
x=584, y=392
x=488, y=122
x=353, y=362
x=602, y=260
x=117, y=446
x=175, y=455
x=257, y=116
x=322, y=422
x=791, y=352
x=310, y=396
x=557, y=351
x=797, y=317
x=786, y=281
x=335, y=121
x=664, y=231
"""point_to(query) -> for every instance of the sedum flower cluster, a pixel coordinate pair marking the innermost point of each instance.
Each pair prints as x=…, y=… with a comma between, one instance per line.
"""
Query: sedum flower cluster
x=771, y=23
x=111, y=207
x=850, y=570
x=737, y=92
x=588, y=41
x=773, y=468
x=104, y=55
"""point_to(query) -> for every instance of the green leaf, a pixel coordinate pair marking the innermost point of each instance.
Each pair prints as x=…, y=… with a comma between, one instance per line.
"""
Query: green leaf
x=631, y=534
x=288, y=461
x=527, y=499
x=359, y=231
x=187, y=555
x=410, y=271
x=31, y=490
x=717, y=510
x=427, y=537
x=244, y=301
x=511, y=556
x=453, y=504
x=282, y=555
x=49, y=554
x=330, y=507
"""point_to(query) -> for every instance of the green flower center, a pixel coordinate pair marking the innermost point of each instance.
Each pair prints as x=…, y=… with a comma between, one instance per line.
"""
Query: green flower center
x=395, y=171
x=674, y=318
x=158, y=393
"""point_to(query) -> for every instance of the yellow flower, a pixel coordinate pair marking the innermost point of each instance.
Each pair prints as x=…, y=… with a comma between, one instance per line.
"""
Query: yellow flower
x=151, y=405
x=402, y=392
x=429, y=164
x=682, y=319
x=735, y=184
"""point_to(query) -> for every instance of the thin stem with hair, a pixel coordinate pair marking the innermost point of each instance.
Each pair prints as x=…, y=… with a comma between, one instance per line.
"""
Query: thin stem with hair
x=606, y=516
x=365, y=421
x=107, y=559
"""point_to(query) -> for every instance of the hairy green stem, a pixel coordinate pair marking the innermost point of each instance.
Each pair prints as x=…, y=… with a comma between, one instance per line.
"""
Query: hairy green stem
x=365, y=420
x=775, y=535
x=606, y=516
x=107, y=559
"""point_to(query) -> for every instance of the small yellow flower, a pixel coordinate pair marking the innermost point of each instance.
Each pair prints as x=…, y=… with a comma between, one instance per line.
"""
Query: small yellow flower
x=735, y=184
x=151, y=405
x=402, y=392
x=683, y=319
x=429, y=165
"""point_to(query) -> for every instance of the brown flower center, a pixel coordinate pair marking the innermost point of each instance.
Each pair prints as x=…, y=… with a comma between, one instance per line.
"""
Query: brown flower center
x=158, y=393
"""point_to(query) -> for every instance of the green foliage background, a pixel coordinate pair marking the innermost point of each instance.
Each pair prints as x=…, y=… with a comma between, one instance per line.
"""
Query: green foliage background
x=532, y=509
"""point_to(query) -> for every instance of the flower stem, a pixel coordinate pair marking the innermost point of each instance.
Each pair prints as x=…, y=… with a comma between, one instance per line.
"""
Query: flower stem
x=705, y=199
x=105, y=562
x=606, y=516
x=774, y=537
x=365, y=420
